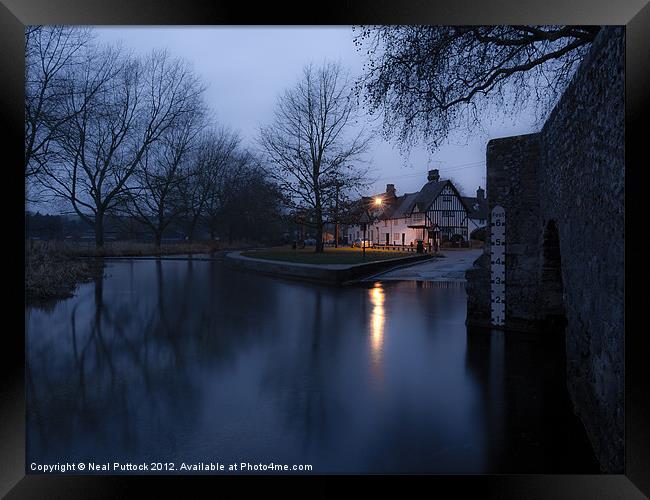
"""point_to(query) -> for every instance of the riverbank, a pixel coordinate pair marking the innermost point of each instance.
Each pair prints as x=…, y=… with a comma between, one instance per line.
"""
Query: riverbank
x=330, y=273
x=51, y=273
x=54, y=269
x=330, y=255
x=124, y=248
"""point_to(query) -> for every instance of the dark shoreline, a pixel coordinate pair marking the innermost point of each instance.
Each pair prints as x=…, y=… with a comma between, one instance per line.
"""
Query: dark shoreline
x=318, y=273
x=54, y=269
x=56, y=277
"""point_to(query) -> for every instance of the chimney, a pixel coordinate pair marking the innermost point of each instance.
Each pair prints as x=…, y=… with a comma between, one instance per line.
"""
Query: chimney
x=480, y=194
x=434, y=175
x=390, y=189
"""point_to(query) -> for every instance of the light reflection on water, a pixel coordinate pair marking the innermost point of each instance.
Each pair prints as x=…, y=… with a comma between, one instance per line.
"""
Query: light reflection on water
x=377, y=321
x=192, y=361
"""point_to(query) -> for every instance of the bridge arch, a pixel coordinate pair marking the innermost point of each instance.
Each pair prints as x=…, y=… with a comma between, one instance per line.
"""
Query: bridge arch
x=551, y=289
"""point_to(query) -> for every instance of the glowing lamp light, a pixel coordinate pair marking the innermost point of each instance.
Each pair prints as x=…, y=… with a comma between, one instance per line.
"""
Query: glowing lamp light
x=377, y=201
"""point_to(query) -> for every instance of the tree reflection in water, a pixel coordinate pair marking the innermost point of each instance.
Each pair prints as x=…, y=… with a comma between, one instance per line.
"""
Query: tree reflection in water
x=189, y=360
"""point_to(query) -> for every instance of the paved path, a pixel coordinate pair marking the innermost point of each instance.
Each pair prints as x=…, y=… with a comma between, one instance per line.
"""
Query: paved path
x=451, y=267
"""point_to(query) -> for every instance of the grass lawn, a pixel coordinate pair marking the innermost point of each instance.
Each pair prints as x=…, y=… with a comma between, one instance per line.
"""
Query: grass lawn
x=344, y=255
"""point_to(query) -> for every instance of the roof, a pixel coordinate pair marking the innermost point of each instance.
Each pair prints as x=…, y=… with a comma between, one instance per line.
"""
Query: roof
x=404, y=205
x=476, y=209
x=397, y=207
x=428, y=194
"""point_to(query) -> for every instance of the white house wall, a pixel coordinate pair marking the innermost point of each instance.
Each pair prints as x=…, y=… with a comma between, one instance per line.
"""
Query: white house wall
x=447, y=211
x=394, y=227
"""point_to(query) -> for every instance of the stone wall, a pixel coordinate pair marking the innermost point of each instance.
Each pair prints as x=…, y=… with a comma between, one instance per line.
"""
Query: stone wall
x=565, y=185
x=513, y=185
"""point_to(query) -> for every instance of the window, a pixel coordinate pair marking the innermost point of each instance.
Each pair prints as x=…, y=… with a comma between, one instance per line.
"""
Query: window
x=417, y=217
x=396, y=236
x=446, y=199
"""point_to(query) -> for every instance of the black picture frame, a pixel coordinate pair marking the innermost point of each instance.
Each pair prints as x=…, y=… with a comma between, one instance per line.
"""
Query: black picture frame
x=634, y=14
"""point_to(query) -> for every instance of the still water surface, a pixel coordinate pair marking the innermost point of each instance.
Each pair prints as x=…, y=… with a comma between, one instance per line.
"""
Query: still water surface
x=191, y=361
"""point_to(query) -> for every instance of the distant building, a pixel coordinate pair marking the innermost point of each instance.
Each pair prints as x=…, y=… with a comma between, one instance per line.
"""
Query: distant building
x=477, y=211
x=437, y=209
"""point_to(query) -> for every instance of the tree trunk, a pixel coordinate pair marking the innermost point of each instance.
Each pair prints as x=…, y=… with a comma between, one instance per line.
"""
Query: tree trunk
x=319, y=233
x=336, y=217
x=190, y=232
x=99, y=230
x=158, y=238
x=319, y=223
x=159, y=230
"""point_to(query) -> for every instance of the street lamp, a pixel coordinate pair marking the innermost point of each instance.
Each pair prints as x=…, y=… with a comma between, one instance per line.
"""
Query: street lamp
x=378, y=202
x=364, y=223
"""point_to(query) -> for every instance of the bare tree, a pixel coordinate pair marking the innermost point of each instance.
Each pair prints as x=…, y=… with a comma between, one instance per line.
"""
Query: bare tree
x=205, y=171
x=311, y=144
x=252, y=209
x=153, y=197
x=224, y=187
x=121, y=106
x=51, y=52
x=342, y=198
x=428, y=80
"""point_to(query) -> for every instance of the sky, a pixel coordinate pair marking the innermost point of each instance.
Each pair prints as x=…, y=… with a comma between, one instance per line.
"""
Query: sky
x=246, y=68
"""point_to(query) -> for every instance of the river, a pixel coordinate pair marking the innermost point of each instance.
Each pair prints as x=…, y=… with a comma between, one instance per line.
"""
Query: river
x=189, y=361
